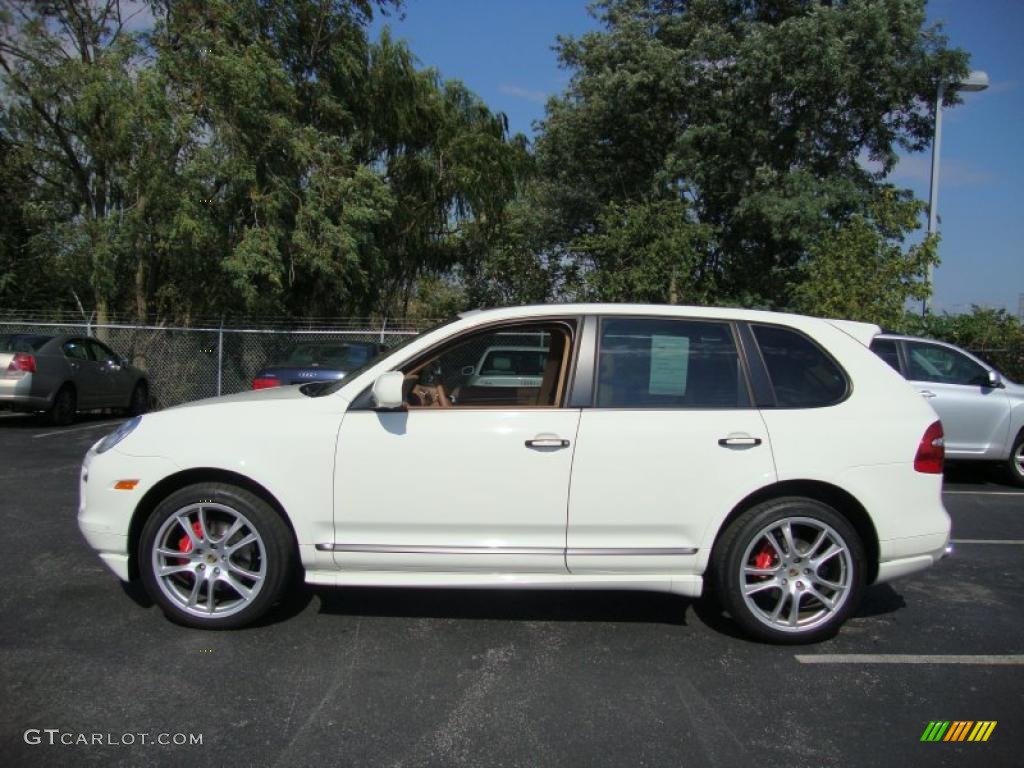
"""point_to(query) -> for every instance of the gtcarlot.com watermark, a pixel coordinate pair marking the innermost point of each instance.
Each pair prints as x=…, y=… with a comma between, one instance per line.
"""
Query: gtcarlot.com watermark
x=57, y=737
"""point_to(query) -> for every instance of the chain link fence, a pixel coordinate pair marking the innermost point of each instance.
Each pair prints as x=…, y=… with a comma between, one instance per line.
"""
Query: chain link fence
x=184, y=364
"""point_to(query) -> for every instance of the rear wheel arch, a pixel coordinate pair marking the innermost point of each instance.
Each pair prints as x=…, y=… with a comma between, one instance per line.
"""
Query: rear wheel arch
x=165, y=487
x=840, y=500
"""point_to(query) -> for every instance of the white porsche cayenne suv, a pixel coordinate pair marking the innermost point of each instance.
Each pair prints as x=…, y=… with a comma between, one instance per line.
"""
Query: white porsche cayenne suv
x=773, y=459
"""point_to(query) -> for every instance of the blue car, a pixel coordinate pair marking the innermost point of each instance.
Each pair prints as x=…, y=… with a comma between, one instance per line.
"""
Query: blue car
x=318, y=361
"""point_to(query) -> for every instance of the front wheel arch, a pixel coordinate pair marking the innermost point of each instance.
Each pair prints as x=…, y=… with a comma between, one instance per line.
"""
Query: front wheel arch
x=840, y=500
x=164, y=488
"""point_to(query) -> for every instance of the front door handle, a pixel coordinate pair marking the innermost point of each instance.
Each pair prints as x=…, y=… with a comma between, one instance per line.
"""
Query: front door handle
x=739, y=441
x=547, y=442
x=927, y=393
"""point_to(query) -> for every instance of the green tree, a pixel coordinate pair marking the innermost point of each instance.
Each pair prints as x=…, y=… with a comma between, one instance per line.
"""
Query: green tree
x=746, y=122
x=861, y=270
x=241, y=156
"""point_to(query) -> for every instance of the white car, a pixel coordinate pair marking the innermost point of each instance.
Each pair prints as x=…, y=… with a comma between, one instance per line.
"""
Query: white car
x=773, y=458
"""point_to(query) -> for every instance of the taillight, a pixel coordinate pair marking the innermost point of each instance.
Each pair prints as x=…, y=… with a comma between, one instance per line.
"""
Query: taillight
x=22, y=361
x=931, y=451
x=264, y=382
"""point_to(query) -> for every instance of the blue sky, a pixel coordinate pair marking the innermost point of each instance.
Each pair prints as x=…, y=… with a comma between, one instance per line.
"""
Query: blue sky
x=502, y=49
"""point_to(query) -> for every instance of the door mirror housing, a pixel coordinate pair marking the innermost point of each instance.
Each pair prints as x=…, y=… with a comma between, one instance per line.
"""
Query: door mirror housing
x=388, y=392
x=995, y=380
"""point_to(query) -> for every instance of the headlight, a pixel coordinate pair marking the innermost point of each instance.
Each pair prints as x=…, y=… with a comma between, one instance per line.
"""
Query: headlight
x=118, y=435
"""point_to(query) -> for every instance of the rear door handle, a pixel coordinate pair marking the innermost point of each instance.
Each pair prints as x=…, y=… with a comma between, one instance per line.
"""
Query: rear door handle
x=547, y=442
x=739, y=441
x=927, y=393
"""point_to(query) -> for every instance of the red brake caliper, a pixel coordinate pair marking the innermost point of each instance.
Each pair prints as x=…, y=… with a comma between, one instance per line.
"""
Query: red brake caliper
x=765, y=558
x=185, y=543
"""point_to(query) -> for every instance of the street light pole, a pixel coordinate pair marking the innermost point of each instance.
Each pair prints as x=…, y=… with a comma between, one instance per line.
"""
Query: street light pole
x=976, y=81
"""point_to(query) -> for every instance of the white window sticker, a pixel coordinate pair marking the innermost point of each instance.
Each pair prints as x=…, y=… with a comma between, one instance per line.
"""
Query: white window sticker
x=670, y=356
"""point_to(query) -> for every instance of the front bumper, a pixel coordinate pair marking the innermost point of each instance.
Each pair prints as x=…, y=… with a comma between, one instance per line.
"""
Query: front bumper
x=105, y=513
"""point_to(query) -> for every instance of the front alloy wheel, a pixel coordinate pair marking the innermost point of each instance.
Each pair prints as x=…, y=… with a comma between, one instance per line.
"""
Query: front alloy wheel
x=1015, y=466
x=790, y=571
x=215, y=556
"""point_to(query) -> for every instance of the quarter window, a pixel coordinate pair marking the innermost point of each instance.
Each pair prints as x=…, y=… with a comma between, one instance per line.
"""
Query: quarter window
x=802, y=374
x=930, y=362
x=664, y=363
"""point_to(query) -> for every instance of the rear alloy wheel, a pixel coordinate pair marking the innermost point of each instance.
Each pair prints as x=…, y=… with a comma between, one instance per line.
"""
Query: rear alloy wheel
x=215, y=556
x=64, y=408
x=139, y=403
x=1015, y=465
x=790, y=570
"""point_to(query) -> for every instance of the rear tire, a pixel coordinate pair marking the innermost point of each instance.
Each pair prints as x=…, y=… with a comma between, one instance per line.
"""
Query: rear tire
x=64, y=408
x=789, y=570
x=215, y=556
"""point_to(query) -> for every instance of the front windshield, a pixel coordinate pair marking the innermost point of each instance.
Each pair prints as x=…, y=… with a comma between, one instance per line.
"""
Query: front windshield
x=320, y=389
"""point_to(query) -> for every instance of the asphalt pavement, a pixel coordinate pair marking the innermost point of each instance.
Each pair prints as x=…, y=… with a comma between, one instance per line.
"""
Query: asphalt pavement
x=92, y=674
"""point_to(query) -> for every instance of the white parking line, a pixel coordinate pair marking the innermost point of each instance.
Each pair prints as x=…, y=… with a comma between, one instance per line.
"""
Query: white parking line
x=908, y=658
x=985, y=493
x=987, y=541
x=111, y=425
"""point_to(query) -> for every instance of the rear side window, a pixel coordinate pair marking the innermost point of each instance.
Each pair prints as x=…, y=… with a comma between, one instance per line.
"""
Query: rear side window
x=802, y=374
x=665, y=363
x=887, y=350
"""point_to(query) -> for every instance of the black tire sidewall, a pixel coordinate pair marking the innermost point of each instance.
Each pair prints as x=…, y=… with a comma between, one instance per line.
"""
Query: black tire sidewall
x=729, y=550
x=59, y=415
x=1011, y=464
x=139, y=404
x=276, y=535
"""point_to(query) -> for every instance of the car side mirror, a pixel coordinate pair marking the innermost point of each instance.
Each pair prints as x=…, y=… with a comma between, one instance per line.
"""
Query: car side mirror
x=388, y=392
x=995, y=380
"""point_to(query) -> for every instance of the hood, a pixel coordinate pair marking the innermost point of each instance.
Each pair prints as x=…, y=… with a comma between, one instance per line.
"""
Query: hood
x=288, y=392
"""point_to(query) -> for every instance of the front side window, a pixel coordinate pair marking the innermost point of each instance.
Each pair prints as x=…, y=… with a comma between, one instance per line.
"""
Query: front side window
x=930, y=362
x=802, y=374
x=101, y=354
x=523, y=365
x=668, y=363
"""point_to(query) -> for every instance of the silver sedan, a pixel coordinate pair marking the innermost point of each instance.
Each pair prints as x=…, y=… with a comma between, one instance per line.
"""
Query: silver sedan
x=982, y=411
x=62, y=375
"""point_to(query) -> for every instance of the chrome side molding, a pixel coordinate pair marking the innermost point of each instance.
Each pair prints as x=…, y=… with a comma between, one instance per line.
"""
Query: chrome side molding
x=416, y=549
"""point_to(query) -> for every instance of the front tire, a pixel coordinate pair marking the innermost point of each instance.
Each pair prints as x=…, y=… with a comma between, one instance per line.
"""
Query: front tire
x=1015, y=464
x=789, y=571
x=215, y=556
x=139, y=404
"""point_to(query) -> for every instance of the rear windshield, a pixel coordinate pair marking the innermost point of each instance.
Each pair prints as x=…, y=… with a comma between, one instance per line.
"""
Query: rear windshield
x=514, y=362
x=21, y=342
x=344, y=357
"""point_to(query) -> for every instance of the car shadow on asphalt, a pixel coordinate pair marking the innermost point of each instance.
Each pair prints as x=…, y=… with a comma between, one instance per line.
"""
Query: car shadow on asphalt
x=505, y=604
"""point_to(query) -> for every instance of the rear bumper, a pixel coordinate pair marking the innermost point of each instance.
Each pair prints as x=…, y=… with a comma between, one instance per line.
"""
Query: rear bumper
x=937, y=547
x=16, y=393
